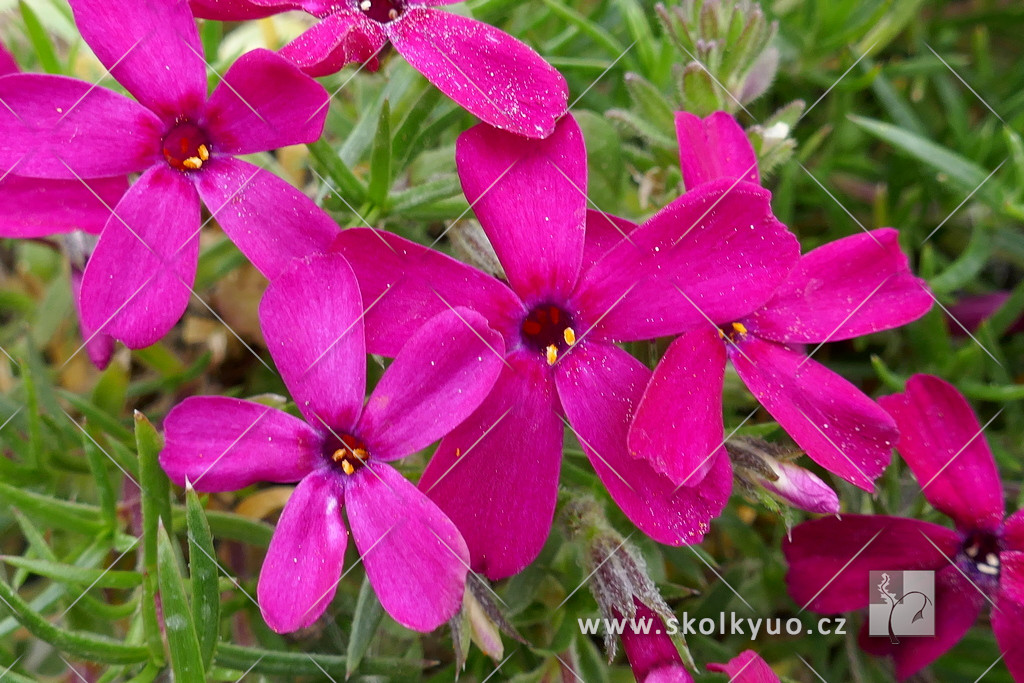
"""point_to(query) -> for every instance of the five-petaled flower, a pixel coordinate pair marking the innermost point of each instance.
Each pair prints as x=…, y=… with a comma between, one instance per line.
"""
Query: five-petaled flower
x=490, y=73
x=415, y=559
x=569, y=297
x=853, y=286
x=138, y=281
x=981, y=560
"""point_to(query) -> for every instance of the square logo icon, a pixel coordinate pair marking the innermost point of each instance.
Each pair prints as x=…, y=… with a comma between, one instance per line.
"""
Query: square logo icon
x=902, y=603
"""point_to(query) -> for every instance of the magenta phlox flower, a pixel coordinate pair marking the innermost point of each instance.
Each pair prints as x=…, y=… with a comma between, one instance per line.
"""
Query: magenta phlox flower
x=853, y=286
x=488, y=72
x=746, y=667
x=496, y=475
x=980, y=561
x=415, y=559
x=138, y=281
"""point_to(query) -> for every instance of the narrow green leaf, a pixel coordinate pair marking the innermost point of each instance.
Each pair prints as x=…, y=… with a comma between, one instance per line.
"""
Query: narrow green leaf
x=413, y=123
x=66, y=573
x=182, y=641
x=40, y=39
x=156, y=488
x=85, y=645
x=98, y=466
x=338, y=172
x=966, y=174
x=204, y=575
x=420, y=194
x=596, y=33
x=365, y=621
x=35, y=436
x=230, y=526
x=78, y=517
x=97, y=416
x=380, y=158
x=967, y=266
x=305, y=663
x=640, y=31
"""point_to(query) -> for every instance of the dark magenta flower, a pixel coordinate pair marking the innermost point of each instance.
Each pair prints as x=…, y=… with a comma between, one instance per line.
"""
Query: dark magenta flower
x=490, y=73
x=853, y=286
x=981, y=560
x=137, y=283
x=567, y=301
x=311, y=317
x=746, y=667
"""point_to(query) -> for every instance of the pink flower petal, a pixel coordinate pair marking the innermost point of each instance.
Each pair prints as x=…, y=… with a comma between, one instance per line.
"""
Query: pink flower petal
x=271, y=222
x=650, y=649
x=1008, y=626
x=34, y=207
x=415, y=558
x=847, y=288
x=342, y=38
x=802, y=488
x=678, y=428
x=1011, y=578
x=673, y=673
x=311, y=317
x=839, y=427
x=943, y=444
x=511, y=446
x=746, y=667
x=441, y=375
x=530, y=197
x=713, y=148
x=600, y=385
x=240, y=10
x=226, y=444
x=830, y=558
x=153, y=51
x=58, y=127
x=604, y=231
x=306, y=555
x=957, y=606
x=1013, y=531
x=98, y=346
x=494, y=76
x=720, y=244
x=138, y=281
x=264, y=102
x=404, y=284
x=7, y=63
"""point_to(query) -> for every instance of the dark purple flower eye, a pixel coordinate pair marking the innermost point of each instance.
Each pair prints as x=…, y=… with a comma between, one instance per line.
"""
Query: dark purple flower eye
x=549, y=329
x=186, y=146
x=383, y=11
x=348, y=452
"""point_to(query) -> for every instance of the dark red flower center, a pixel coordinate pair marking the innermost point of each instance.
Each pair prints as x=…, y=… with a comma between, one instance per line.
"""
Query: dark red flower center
x=383, y=11
x=548, y=329
x=186, y=147
x=980, y=552
x=347, y=452
x=733, y=332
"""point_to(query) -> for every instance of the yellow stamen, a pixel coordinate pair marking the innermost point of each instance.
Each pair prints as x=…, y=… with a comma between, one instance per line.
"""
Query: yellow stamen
x=347, y=467
x=569, y=335
x=204, y=153
x=552, y=354
x=393, y=14
x=458, y=452
x=739, y=327
x=194, y=163
x=721, y=333
x=338, y=455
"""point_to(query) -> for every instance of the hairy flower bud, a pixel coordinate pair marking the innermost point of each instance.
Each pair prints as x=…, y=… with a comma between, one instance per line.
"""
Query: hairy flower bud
x=759, y=464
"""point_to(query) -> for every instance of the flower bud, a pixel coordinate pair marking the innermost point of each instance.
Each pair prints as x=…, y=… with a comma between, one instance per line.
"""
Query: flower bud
x=759, y=464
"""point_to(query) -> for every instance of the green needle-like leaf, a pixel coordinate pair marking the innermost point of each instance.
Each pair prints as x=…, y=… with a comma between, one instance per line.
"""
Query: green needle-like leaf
x=182, y=640
x=204, y=574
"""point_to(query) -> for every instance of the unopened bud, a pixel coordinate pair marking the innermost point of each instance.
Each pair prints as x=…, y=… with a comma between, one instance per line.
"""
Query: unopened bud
x=762, y=464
